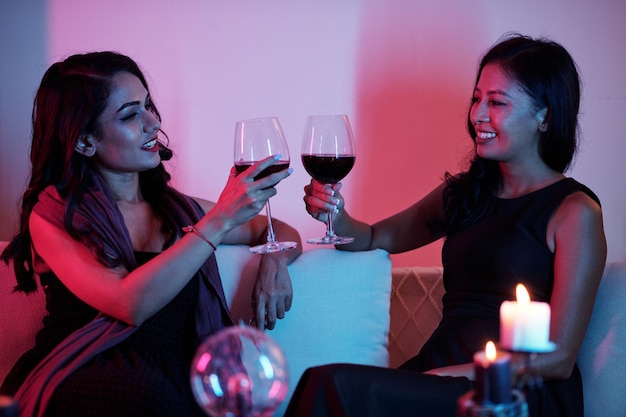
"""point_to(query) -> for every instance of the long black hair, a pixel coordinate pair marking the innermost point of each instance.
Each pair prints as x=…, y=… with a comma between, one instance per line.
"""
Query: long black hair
x=548, y=74
x=71, y=97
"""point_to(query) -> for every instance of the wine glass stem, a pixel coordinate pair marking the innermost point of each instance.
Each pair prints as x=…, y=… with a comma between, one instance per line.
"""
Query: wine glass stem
x=330, y=229
x=271, y=237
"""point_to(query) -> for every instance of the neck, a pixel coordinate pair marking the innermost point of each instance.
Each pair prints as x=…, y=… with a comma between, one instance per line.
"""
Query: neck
x=520, y=180
x=124, y=187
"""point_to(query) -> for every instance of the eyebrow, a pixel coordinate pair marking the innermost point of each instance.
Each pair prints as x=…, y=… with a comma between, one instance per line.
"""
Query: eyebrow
x=489, y=92
x=131, y=103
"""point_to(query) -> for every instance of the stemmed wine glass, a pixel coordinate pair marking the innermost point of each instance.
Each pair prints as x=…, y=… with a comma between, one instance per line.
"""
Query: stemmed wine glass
x=256, y=139
x=328, y=155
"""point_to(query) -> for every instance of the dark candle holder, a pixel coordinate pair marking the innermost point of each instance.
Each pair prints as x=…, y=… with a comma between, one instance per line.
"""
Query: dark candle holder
x=494, y=395
x=468, y=407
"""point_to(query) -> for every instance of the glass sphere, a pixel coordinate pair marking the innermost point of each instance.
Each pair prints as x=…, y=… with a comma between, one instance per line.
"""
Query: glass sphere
x=239, y=372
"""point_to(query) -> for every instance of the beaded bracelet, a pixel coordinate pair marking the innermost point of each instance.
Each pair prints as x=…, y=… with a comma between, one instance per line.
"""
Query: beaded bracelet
x=195, y=231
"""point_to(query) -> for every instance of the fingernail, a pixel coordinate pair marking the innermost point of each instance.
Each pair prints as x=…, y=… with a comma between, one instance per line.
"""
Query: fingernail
x=277, y=157
x=290, y=170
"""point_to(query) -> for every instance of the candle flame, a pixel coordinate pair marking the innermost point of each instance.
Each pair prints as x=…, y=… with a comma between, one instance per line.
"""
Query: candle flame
x=490, y=351
x=522, y=294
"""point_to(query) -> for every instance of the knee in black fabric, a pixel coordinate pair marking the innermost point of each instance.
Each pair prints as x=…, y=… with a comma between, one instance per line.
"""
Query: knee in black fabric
x=344, y=390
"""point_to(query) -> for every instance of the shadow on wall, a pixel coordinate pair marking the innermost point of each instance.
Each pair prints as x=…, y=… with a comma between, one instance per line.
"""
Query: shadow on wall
x=23, y=50
x=413, y=88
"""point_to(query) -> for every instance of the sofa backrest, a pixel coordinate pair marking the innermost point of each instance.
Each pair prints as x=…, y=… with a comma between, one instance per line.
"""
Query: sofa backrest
x=415, y=310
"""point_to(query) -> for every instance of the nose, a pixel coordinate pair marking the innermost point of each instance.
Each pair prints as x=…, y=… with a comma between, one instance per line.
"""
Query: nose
x=480, y=113
x=152, y=123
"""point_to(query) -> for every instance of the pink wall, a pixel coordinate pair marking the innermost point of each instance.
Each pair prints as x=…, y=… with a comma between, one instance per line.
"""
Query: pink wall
x=401, y=70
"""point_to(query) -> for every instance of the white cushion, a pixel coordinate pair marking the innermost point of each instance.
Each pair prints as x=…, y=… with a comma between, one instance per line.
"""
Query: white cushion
x=340, y=310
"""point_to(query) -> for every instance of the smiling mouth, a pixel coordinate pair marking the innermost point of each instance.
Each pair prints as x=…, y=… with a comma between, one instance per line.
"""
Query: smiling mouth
x=485, y=135
x=149, y=145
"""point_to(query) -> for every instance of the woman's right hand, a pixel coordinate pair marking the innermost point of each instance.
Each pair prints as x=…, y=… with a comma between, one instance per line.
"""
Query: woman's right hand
x=320, y=199
x=243, y=198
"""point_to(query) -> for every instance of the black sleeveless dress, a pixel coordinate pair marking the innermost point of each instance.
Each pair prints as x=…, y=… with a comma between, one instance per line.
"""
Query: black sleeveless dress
x=147, y=374
x=482, y=265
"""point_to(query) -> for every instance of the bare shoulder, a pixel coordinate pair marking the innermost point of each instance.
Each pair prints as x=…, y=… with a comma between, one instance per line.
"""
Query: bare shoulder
x=51, y=245
x=579, y=207
x=577, y=215
x=40, y=228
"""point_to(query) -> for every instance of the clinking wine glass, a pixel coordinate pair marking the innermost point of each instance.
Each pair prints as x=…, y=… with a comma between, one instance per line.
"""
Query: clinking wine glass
x=256, y=139
x=328, y=155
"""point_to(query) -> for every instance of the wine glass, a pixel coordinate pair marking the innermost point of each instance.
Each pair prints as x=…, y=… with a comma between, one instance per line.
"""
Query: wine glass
x=328, y=155
x=256, y=139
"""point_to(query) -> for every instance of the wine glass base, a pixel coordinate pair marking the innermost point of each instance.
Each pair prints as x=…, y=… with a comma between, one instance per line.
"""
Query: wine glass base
x=331, y=240
x=271, y=247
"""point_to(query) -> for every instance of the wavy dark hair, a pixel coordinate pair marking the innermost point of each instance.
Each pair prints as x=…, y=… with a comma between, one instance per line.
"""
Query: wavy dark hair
x=548, y=74
x=70, y=99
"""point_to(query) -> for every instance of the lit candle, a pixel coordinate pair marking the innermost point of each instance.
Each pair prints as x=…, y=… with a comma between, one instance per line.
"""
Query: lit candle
x=524, y=324
x=493, y=376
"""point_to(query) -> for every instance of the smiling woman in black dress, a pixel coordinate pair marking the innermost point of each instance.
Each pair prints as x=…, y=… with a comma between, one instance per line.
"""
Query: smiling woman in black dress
x=512, y=217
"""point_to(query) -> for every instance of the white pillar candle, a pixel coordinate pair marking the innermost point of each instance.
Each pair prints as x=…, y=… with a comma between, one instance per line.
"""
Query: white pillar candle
x=525, y=324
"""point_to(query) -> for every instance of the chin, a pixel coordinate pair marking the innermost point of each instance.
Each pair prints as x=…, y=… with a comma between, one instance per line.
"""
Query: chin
x=486, y=153
x=150, y=166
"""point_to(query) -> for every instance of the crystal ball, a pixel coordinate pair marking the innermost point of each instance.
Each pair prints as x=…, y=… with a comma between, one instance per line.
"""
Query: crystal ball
x=239, y=372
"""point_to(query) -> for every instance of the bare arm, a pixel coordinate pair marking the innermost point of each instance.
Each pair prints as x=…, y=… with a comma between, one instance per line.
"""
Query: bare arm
x=133, y=297
x=404, y=231
x=576, y=235
x=254, y=232
x=272, y=293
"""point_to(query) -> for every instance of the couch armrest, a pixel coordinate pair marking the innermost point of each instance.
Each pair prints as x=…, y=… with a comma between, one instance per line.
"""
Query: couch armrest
x=20, y=318
x=602, y=357
x=340, y=310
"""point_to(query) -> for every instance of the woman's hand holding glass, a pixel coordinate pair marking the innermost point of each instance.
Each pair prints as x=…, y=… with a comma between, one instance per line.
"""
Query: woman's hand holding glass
x=243, y=198
x=322, y=200
x=328, y=155
x=256, y=139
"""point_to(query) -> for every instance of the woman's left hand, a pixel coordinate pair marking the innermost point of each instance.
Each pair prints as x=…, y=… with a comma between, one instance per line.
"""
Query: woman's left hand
x=272, y=293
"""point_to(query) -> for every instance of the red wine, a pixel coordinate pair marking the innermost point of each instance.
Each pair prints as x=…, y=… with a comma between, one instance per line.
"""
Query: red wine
x=278, y=166
x=328, y=169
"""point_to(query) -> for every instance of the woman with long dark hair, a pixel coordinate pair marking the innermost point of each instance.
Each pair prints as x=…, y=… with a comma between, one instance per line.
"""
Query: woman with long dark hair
x=127, y=262
x=512, y=216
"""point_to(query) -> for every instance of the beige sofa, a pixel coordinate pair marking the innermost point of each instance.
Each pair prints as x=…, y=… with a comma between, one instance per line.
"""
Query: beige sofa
x=353, y=307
